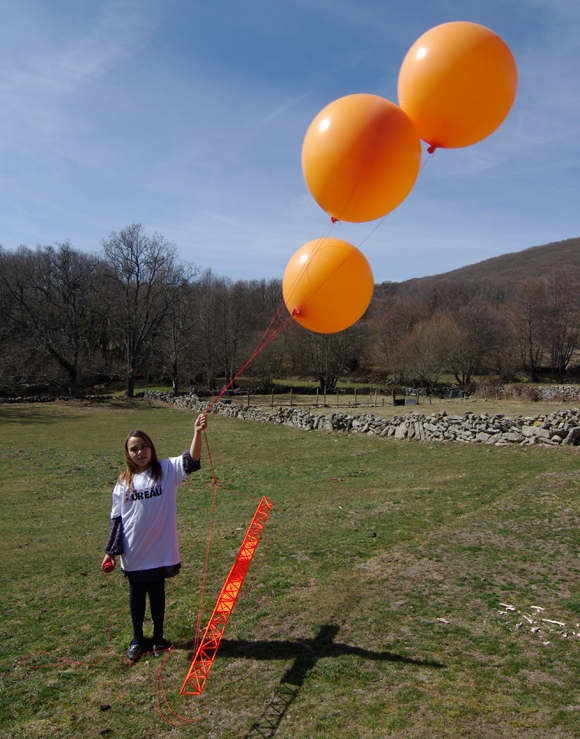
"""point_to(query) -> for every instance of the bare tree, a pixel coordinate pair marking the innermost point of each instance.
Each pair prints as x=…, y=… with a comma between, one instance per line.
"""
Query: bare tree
x=266, y=315
x=180, y=322
x=232, y=319
x=562, y=318
x=423, y=356
x=527, y=311
x=392, y=320
x=235, y=324
x=141, y=266
x=47, y=301
x=330, y=356
x=478, y=335
x=207, y=332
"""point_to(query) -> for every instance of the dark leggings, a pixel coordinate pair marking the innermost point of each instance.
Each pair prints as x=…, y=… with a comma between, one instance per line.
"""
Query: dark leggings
x=137, y=602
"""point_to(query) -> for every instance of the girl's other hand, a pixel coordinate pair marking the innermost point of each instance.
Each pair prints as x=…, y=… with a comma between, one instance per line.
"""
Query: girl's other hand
x=107, y=558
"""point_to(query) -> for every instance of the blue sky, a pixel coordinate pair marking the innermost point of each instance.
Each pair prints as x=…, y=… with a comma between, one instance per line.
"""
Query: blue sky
x=188, y=117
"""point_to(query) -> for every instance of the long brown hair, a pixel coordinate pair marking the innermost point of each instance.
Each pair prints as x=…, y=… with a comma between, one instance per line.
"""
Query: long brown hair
x=132, y=469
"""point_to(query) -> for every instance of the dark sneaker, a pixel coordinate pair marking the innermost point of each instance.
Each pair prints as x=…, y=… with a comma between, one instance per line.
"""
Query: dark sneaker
x=134, y=651
x=160, y=647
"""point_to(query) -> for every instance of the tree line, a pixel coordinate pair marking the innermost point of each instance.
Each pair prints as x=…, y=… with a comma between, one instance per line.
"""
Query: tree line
x=72, y=321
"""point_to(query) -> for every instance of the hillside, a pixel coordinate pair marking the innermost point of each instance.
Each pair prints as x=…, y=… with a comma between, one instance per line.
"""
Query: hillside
x=507, y=270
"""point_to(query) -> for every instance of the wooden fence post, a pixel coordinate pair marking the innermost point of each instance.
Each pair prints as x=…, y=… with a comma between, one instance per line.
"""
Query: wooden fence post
x=290, y=397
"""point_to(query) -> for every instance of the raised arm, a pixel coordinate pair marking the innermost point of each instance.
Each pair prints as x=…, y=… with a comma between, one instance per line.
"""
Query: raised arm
x=200, y=427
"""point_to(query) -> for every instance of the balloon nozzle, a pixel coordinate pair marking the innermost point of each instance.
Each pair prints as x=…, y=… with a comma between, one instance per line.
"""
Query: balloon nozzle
x=431, y=149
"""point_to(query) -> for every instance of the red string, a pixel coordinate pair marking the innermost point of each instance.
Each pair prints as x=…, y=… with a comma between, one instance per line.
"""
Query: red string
x=216, y=484
x=274, y=330
x=204, y=577
x=264, y=341
x=380, y=223
x=161, y=691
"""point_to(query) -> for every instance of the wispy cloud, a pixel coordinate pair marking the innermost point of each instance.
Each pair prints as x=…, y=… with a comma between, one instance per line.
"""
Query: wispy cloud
x=54, y=61
x=50, y=61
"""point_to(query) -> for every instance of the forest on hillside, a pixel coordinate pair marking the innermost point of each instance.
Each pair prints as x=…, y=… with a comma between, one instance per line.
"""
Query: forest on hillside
x=72, y=322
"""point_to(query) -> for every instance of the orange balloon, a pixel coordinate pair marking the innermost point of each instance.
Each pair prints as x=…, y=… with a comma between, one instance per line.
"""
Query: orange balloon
x=457, y=84
x=328, y=285
x=360, y=157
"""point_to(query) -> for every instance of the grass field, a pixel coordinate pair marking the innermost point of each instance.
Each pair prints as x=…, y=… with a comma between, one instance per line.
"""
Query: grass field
x=407, y=589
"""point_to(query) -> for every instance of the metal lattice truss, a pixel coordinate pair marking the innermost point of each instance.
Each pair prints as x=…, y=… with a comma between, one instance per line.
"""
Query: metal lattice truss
x=208, y=646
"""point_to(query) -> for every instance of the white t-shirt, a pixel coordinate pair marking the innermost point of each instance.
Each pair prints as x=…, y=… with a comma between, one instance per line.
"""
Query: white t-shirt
x=149, y=517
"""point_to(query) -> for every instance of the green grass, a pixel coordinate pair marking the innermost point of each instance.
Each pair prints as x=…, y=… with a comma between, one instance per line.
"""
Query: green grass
x=376, y=611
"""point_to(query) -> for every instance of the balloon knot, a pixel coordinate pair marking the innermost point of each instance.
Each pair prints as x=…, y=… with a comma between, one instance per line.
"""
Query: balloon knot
x=431, y=149
x=334, y=220
x=295, y=312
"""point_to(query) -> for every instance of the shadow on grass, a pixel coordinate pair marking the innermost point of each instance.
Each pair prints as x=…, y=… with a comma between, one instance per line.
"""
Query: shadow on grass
x=36, y=412
x=19, y=415
x=306, y=654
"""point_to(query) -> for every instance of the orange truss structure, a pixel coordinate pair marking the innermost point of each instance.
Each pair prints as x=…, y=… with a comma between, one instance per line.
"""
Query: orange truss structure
x=206, y=652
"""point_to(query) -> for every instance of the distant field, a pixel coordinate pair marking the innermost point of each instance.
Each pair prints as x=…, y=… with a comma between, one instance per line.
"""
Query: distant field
x=383, y=405
x=407, y=590
x=367, y=401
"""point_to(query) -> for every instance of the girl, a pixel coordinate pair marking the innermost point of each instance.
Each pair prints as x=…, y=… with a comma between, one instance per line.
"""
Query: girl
x=144, y=528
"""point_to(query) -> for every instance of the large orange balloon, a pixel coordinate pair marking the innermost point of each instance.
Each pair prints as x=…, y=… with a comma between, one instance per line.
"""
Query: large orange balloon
x=361, y=156
x=328, y=284
x=457, y=84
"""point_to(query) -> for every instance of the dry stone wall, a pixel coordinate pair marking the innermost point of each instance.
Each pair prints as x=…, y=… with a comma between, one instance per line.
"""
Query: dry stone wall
x=543, y=392
x=553, y=429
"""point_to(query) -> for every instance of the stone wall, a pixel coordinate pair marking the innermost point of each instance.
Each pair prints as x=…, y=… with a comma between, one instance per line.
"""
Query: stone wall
x=537, y=392
x=551, y=429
